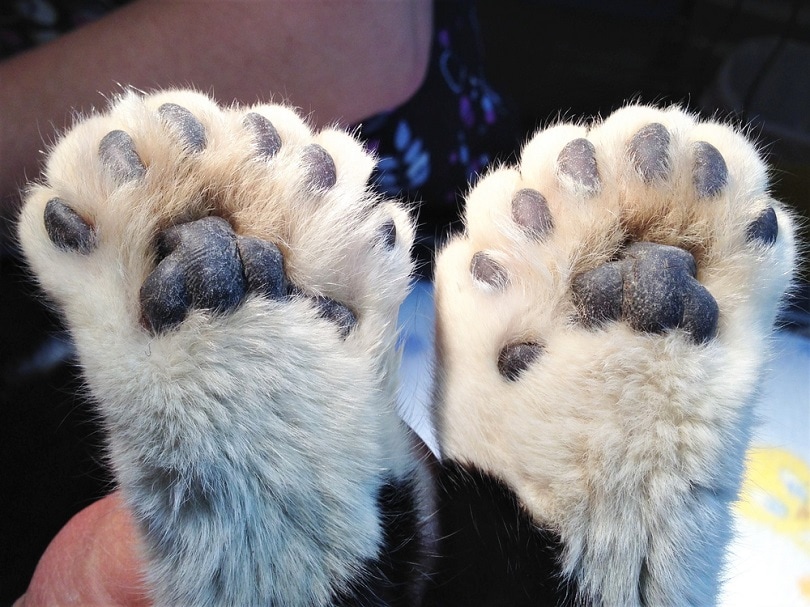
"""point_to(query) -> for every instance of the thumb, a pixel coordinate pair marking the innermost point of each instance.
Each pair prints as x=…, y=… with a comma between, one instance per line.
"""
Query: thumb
x=92, y=561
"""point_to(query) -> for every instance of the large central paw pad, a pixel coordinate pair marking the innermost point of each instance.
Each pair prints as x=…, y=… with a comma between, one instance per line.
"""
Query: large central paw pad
x=203, y=264
x=652, y=288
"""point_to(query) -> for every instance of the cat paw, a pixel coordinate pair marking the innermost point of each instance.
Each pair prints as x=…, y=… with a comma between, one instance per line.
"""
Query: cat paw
x=232, y=288
x=602, y=327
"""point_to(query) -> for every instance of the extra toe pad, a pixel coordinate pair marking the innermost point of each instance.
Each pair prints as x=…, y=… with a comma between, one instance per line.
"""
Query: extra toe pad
x=321, y=170
x=530, y=211
x=513, y=359
x=577, y=162
x=710, y=171
x=764, y=229
x=263, y=266
x=649, y=152
x=66, y=229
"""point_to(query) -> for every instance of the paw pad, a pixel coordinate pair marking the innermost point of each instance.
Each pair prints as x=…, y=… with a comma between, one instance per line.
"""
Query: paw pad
x=265, y=135
x=577, y=161
x=764, y=228
x=321, y=169
x=66, y=229
x=337, y=313
x=649, y=152
x=204, y=264
x=488, y=272
x=653, y=288
x=199, y=267
x=516, y=358
x=388, y=234
x=263, y=266
x=117, y=153
x=186, y=126
x=530, y=211
x=710, y=171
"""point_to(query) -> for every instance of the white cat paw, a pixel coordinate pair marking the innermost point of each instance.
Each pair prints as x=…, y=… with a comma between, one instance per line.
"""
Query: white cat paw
x=232, y=289
x=602, y=324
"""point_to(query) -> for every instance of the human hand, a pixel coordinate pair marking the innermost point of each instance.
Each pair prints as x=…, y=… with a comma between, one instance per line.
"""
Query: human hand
x=92, y=561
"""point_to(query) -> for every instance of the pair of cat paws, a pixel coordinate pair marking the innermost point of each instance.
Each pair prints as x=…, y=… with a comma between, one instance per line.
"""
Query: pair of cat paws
x=232, y=285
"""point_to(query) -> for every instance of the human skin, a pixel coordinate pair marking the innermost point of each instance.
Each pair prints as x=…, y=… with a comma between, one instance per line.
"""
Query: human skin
x=92, y=561
x=338, y=61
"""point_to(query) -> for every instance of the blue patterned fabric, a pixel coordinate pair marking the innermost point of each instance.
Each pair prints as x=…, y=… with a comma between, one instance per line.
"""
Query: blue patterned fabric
x=432, y=147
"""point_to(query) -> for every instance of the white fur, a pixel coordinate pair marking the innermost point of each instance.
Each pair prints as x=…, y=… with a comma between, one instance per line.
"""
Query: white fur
x=627, y=444
x=282, y=430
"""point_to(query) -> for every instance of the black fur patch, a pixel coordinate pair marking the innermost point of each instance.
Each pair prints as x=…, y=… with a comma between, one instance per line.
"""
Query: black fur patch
x=491, y=553
x=398, y=577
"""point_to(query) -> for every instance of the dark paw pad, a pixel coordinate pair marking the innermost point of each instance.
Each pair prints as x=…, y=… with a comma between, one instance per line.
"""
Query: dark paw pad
x=649, y=152
x=653, y=288
x=265, y=135
x=598, y=294
x=530, y=211
x=66, y=229
x=117, y=153
x=199, y=267
x=263, y=265
x=577, y=160
x=321, y=170
x=329, y=309
x=764, y=228
x=710, y=173
x=487, y=271
x=186, y=125
x=516, y=358
x=387, y=234
x=337, y=313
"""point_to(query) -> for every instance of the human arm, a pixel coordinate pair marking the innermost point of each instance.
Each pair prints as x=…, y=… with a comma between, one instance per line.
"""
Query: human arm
x=338, y=61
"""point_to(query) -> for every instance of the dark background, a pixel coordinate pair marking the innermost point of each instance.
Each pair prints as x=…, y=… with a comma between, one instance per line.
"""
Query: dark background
x=552, y=58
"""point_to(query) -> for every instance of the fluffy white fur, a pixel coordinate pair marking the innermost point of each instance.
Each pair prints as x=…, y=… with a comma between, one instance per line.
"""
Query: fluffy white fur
x=283, y=431
x=627, y=444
